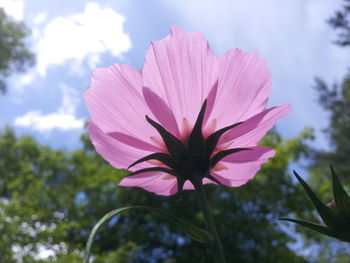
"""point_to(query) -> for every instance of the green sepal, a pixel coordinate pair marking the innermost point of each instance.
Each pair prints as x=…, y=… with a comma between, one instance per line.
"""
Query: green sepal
x=330, y=217
x=196, y=141
x=162, y=157
x=180, y=186
x=209, y=176
x=175, y=147
x=316, y=227
x=222, y=154
x=213, y=139
x=191, y=230
x=341, y=198
x=153, y=169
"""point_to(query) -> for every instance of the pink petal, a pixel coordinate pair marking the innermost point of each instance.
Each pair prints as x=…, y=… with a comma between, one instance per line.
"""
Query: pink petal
x=189, y=186
x=152, y=182
x=242, y=166
x=170, y=190
x=211, y=101
x=161, y=111
x=181, y=69
x=115, y=152
x=244, y=86
x=134, y=142
x=140, y=179
x=252, y=130
x=116, y=103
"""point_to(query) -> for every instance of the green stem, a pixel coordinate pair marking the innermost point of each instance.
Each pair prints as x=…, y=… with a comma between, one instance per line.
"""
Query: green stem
x=216, y=246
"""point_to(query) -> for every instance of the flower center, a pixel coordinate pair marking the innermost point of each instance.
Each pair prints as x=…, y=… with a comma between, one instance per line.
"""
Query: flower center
x=192, y=160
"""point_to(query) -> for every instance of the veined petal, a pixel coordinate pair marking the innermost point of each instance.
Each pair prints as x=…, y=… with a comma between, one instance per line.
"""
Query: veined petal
x=181, y=69
x=189, y=186
x=140, y=179
x=152, y=182
x=244, y=86
x=161, y=111
x=116, y=103
x=169, y=189
x=134, y=142
x=211, y=101
x=242, y=166
x=252, y=130
x=118, y=154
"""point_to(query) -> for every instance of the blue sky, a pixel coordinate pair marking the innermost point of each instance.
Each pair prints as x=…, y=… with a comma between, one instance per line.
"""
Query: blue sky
x=71, y=38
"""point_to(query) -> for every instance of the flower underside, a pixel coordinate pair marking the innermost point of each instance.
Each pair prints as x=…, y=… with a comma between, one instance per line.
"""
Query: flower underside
x=192, y=160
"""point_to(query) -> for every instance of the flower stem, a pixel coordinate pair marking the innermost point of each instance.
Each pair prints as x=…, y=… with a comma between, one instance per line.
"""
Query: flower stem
x=216, y=246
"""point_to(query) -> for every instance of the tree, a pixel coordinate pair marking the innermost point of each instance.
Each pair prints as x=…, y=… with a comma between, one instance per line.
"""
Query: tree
x=14, y=55
x=335, y=99
x=51, y=199
x=341, y=22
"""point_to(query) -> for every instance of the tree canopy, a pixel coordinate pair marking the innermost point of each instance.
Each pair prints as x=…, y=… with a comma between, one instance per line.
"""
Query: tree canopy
x=335, y=99
x=14, y=53
x=50, y=200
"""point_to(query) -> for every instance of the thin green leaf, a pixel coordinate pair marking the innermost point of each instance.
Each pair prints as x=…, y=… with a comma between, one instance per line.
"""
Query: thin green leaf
x=220, y=155
x=318, y=228
x=191, y=230
x=328, y=215
x=341, y=198
x=213, y=139
x=209, y=176
x=153, y=169
x=162, y=157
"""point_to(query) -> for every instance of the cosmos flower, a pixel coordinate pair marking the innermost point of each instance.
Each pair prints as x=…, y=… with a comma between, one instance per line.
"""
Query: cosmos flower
x=188, y=118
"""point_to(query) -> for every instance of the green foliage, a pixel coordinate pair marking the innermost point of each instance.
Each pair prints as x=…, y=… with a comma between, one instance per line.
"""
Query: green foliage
x=335, y=216
x=341, y=22
x=335, y=99
x=14, y=55
x=52, y=198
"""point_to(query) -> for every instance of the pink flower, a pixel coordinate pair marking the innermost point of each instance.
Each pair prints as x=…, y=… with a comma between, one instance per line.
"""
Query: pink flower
x=205, y=115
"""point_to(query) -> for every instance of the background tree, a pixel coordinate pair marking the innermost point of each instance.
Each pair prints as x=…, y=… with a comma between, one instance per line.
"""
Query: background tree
x=14, y=54
x=341, y=22
x=335, y=99
x=51, y=199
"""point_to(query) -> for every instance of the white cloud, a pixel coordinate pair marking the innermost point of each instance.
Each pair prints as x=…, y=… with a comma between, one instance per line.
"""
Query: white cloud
x=78, y=36
x=40, y=18
x=27, y=78
x=13, y=8
x=63, y=119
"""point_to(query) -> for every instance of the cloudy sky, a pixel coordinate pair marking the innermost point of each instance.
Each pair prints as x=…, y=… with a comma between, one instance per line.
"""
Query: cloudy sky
x=71, y=38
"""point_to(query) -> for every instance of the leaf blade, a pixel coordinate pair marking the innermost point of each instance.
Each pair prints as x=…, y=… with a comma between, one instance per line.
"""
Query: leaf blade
x=341, y=198
x=315, y=227
x=193, y=231
x=328, y=216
